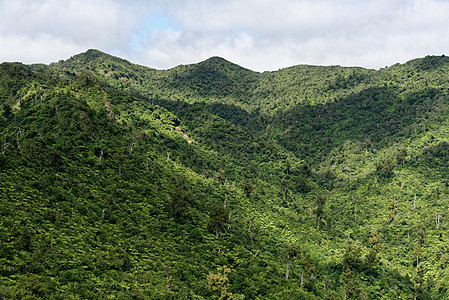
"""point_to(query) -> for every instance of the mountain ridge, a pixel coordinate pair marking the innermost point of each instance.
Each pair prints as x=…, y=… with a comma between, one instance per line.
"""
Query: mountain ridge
x=246, y=82
x=429, y=61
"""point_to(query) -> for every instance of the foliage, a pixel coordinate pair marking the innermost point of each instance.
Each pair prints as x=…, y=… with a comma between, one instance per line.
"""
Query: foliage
x=218, y=216
x=121, y=181
x=219, y=283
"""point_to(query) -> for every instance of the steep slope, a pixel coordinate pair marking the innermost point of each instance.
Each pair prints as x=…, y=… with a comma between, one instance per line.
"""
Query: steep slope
x=310, y=182
x=102, y=195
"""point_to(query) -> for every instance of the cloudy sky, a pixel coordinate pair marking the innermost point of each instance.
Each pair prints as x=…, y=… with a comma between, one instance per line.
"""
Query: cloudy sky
x=258, y=34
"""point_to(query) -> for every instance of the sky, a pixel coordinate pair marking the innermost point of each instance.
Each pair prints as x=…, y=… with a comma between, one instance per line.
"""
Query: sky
x=260, y=35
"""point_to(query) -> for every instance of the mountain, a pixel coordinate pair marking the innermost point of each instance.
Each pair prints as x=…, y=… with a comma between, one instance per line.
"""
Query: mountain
x=211, y=181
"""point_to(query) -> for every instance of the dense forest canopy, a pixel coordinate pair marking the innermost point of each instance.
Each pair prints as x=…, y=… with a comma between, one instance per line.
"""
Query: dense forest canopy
x=211, y=181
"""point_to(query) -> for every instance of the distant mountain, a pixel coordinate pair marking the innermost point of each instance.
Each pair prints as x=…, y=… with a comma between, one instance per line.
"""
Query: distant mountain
x=211, y=181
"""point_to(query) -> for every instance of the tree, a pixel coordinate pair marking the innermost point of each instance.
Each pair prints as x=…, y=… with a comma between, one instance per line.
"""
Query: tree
x=386, y=167
x=221, y=176
x=306, y=169
x=418, y=282
x=352, y=288
x=421, y=232
x=373, y=259
x=218, y=217
x=376, y=241
x=351, y=258
x=302, y=184
x=248, y=187
x=400, y=156
x=308, y=268
x=179, y=201
x=351, y=262
x=24, y=241
x=293, y=251
x=28, y=287
x=284, y=187
x=287, y=166
x=320, y=202
x=7, y=112
x=219, y=284
x=121, y=157
x=269, y=130
x=393, y=210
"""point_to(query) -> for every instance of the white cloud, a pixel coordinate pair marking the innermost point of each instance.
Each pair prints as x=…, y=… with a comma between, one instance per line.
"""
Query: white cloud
x=40, y=49
x=258, y=34
x=80, y=20
x=33, y=28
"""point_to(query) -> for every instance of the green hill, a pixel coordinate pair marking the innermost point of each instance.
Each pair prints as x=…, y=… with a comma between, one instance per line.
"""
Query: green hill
x=211, y=181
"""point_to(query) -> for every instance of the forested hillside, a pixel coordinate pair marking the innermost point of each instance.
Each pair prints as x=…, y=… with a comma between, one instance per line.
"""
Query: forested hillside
x=211, y=181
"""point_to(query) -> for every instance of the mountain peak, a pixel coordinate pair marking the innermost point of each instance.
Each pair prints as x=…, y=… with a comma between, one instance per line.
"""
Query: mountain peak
x=94, y=54
x=95, y=51
x=216, y=61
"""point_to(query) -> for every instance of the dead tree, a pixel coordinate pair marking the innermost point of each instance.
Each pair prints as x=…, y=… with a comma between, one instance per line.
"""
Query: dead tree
x=131, y=147
x=101, y=156
x=4, y=146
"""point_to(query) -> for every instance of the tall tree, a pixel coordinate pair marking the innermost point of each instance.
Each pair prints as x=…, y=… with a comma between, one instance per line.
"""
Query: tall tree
x=218, y=217
x=293, y=251
x=320, y=202
x=7, y=112
x=121, y=158
x=248, y=187
x=179, y=201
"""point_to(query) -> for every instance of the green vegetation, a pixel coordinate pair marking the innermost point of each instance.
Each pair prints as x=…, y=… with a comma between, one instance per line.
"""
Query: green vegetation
x=210, y=181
